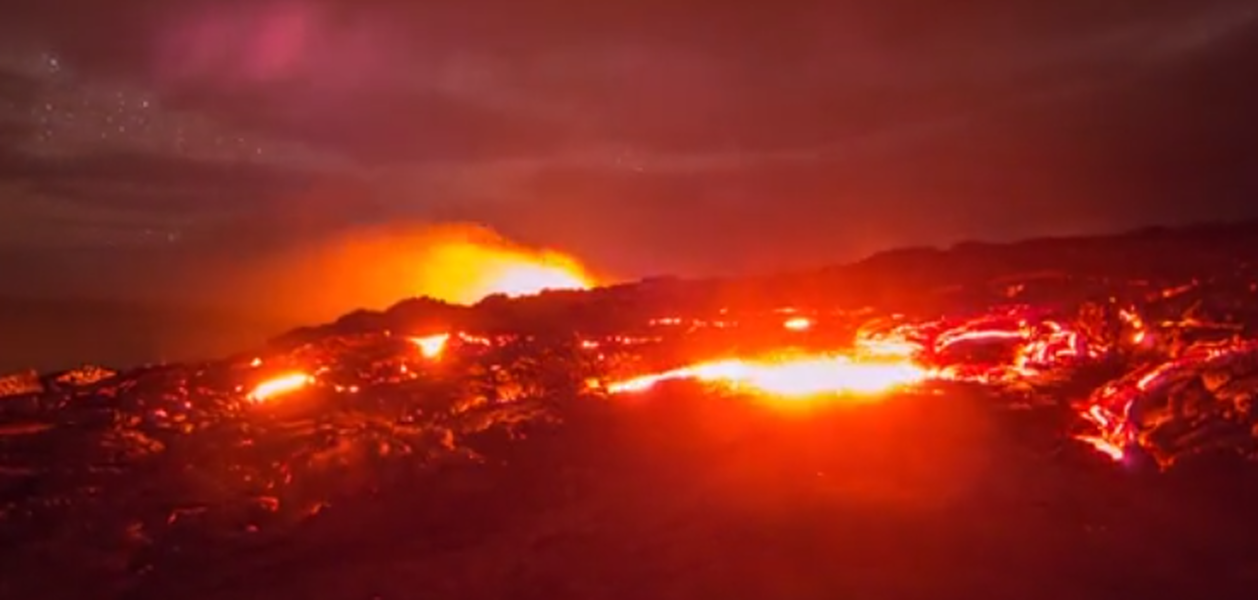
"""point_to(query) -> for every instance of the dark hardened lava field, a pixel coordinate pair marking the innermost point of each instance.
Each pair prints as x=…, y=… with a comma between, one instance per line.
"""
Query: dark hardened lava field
x=692, y=497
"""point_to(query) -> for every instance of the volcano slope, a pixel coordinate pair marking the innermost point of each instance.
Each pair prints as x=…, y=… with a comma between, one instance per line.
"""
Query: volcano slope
x=1055, y=418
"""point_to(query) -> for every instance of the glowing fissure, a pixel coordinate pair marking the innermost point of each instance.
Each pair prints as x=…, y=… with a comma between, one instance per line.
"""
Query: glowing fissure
x=280, y=386
x=432, y=346
x=797, y=377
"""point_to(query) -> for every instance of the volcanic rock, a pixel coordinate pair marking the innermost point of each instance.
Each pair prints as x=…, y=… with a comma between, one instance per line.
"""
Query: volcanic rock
x=18, y=384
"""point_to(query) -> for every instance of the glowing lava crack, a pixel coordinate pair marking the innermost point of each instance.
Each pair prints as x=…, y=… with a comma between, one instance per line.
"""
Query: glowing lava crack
x=793, y=378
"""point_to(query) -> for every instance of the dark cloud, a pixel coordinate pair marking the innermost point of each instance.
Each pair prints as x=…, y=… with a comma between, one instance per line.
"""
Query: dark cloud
x=16, y=88
x=146, y=170
x=652, y=135
x=383, y=127
x=130, y=166
x=12, y=130
x=375, y=79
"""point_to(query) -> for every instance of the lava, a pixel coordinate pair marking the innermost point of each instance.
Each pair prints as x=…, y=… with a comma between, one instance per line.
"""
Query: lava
x=465, y=266
x=1104, y=446
x=1014, y=348
x=280, y=386
x=1128, y=411
x=1149, y=372
x=433, y=345
x=798, y=324
x=793, y=377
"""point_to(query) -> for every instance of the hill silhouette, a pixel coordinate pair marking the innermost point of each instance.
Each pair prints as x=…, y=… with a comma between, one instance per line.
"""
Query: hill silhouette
x=925, y=278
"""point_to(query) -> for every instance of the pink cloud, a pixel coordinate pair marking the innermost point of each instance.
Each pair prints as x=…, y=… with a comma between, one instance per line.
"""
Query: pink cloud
x=278, y=41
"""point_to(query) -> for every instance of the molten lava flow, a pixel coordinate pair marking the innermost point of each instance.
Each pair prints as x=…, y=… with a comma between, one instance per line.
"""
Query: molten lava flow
x=1013, y=346
x=433, y=345
x=1114, y=411
x=794, y=377
x=279, y=386
x=464, y=266
x=797, y=324
x=1104, y=446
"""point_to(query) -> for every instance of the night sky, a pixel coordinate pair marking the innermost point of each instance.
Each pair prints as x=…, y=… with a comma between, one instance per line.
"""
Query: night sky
x=149, y=146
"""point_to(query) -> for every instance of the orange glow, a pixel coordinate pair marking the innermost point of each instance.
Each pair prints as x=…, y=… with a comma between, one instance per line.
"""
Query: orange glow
x=465, y=266
x=1103, y=446
x=279, y=386
x=433, y=345
x=1140, y=333
x=794, y=378
x=797, y=324
x=375, y=266
x=887, y=347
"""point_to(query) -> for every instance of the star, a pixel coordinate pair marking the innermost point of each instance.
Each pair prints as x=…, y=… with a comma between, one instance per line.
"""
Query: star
x=69, y=115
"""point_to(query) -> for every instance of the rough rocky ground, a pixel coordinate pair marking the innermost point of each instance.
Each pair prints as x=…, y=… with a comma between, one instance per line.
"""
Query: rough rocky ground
x=682, y=497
